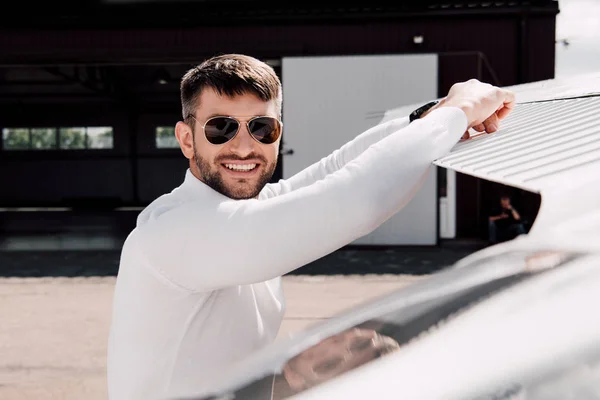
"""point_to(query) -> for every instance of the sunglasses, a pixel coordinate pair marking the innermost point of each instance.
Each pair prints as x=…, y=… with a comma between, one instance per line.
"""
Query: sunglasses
x=220, y=130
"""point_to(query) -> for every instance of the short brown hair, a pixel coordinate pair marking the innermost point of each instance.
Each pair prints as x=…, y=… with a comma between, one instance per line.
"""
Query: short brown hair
x=230, y=75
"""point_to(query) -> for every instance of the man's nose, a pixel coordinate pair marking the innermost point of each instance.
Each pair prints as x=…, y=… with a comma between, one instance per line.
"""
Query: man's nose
x=242, y=144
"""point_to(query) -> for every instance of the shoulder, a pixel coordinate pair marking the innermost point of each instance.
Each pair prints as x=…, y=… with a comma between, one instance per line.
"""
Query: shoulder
x=160, y=206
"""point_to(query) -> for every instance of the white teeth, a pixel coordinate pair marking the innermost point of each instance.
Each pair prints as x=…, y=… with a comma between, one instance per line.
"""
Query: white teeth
x=241, y=167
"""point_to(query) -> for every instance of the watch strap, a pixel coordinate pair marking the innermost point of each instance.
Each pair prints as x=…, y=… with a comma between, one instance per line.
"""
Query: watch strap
x=421, y=110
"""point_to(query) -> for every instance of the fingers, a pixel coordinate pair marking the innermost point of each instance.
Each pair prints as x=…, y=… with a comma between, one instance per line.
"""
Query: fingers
x=491, y=124
x=508, y=104
x=479, y=127
x=483, y=104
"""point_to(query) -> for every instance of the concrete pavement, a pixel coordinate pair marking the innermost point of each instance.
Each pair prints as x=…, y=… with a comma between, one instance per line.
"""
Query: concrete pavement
x=53, y=331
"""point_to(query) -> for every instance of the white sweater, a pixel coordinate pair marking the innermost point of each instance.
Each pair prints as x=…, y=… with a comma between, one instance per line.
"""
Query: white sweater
x=199, y=284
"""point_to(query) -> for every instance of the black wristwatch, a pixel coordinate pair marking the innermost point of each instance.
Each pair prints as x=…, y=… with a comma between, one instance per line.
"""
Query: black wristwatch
x=421, y=110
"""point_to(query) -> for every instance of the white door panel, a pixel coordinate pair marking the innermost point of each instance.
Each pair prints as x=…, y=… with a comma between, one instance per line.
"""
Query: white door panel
x=327, y=101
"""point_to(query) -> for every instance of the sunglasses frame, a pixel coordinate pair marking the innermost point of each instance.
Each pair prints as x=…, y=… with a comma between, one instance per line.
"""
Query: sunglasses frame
x=239, y=126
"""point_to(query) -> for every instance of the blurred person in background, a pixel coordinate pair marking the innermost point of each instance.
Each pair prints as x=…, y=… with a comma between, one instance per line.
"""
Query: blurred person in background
x=505, y=223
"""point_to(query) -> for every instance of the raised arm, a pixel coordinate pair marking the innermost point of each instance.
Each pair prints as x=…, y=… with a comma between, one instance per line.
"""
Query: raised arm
x=191, y=244
x=515, y=214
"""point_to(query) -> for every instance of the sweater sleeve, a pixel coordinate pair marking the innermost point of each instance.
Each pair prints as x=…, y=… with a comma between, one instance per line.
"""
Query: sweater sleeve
x=336, y=160
x=247, y=241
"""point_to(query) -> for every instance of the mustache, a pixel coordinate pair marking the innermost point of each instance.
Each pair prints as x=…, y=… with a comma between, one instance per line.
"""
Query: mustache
x=251, y=156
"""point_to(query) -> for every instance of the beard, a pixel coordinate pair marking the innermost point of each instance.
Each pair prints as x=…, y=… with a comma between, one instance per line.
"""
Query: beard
x=241, y=190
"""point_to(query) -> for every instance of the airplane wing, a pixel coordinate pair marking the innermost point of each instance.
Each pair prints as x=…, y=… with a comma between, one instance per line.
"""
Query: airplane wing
x=549, y=144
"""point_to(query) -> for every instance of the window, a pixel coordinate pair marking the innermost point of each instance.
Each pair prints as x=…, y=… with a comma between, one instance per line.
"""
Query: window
x=72, y=138
x=165, y=138
x=15, y=138
x=99, y=137
x=29, y=138
x=43, y=138
x=68, y=138
x=91, y=137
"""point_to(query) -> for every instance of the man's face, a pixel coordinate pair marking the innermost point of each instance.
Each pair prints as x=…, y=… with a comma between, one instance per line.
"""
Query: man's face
x=241, y=167
x=505, y=202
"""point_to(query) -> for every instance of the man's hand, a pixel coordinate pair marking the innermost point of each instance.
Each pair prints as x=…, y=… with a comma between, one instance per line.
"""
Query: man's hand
x=483, y=104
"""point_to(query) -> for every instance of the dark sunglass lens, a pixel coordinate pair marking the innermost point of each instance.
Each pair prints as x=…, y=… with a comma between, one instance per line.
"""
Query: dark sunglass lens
x=220, y=130
x=265, y=129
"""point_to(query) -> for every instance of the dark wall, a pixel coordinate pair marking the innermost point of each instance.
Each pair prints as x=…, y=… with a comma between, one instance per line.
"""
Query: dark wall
x=56, y=177
x=134, y=172
x=503, y=49
x=496, y=36
x=158, y=170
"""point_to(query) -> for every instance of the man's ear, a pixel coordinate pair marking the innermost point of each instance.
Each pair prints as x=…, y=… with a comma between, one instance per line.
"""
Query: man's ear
x=184, y=133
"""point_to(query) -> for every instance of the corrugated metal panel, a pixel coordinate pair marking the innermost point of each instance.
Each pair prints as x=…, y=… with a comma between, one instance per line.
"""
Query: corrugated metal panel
x=551, y=89
x=539, y=145
x=558, y=88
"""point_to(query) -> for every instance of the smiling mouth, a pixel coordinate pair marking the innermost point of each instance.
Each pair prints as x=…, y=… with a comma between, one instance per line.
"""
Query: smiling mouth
x=240, y=167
